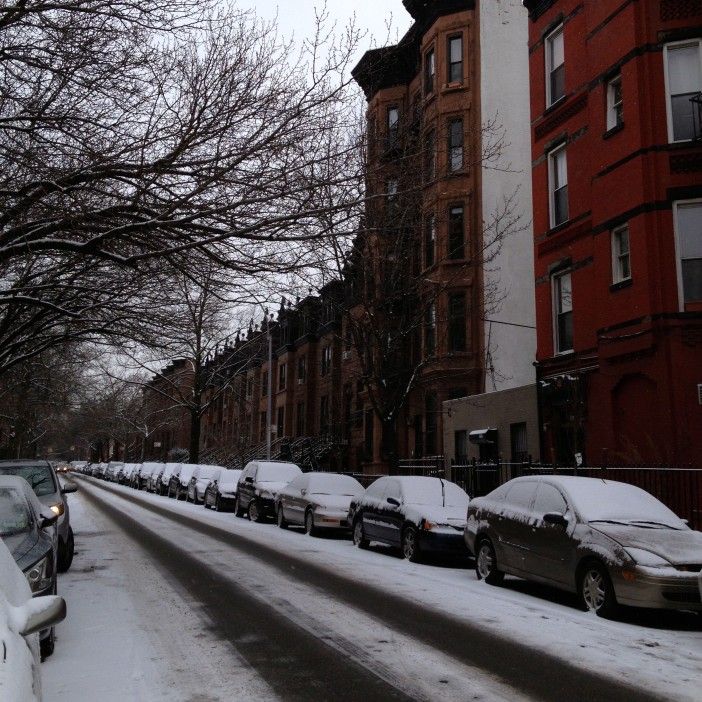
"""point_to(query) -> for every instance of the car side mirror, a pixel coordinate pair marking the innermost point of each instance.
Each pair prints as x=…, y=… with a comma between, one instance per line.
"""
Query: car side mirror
x=72, y=487
x=248, y=479
x=303, y=491
x=39, y=613
x=46, y=519
x=392, y=501
x=555, y=518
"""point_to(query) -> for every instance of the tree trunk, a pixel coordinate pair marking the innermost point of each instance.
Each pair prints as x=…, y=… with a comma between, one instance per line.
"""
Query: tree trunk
x=195, y=425
x=389, y=444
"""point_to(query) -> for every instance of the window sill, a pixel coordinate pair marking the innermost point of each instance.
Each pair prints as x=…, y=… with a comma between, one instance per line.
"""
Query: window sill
x=453, y=87
x=614, y=130
x=559, y=227
x=555, y=105
x=621, y=285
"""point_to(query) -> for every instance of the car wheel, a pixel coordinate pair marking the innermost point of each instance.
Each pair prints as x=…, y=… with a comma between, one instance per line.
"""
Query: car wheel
x=359, y=538
x=254, y=511
x=282, y=523
x=238, y=512
x=486, y=564
x=65, y=555
x=596, y=591
x=410, y=544
x=309, y=523
x=47, y=645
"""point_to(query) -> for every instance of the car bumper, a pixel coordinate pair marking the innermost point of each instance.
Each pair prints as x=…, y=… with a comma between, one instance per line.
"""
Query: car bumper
x=665, y=589
x=443, y=542
x=331, y=521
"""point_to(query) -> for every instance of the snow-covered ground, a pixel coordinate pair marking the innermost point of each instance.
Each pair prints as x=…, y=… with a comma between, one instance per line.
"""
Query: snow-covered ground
x=117, y=601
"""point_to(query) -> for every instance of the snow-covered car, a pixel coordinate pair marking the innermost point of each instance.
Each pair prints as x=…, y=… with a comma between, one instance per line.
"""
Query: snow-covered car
x=417, y=514
x=180, y=482
x=22, y=617
x=161, y=486
x=259, y=485
x=141, y=479
x=610, y=542
x=26, y=529
x=201, y=478
x=112, y=471
x=43, y=480
x=220, y=494
x=125, y=474
x=317, y=501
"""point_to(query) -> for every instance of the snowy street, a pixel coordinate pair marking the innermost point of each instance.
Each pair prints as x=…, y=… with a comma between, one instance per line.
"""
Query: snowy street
x=167, y=600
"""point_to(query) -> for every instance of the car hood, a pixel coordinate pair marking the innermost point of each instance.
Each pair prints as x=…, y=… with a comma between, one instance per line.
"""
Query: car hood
x=274, y=487
x=22, y=547
x=227, y=487
x=340, y=502
x=675, y=546
x=455, y=516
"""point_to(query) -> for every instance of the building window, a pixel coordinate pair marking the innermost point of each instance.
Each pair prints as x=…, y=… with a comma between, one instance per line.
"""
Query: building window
x=457, y=322
x=280, y=424
x=455, y=59
x=301, y=369
x=325, y=365
x=429, y=71
x=430, y=330
x=281, y=376
x=518, y=442
x=430, y=241
x=558, y=186
x=684, y=83
x=430, y=156
x=324, y=414
x=455, y=144
x=555, y=66
x=456, y=236
x=300, y=421
x=393, y=127
x=264, y=384
x=688, y=222
x=615, y=107
x=621, y=261
x=563, y=312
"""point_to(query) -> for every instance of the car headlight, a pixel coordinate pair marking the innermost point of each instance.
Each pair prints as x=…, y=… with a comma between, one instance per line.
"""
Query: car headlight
x=647, y=558
x=58, y=509
x=267, y=494
x=38, y=575
x=428, y=525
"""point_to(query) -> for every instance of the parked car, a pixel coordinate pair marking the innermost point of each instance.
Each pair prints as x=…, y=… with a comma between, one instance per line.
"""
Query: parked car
x=202, y=476
x=112, y=471
x=182, y=480
x=26, y=529
x=142, y=478
x=43, y=480
x=317, y=501
x=125, y=475
x=21, y=619
x=610, y=542
x=417, y=514
x=161, y=486
x=220, y=494
x=259, y=485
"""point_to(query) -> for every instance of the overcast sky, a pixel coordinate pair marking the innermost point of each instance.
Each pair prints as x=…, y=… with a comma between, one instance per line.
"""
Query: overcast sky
x=297, y=16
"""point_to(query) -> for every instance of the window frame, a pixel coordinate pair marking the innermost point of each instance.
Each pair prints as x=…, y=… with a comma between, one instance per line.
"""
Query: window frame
x=666, y=75
x=552, y=170
x=282, y=376
x=548, y=59
x=457, y=323
x=556, y=313
x=678, y=250
x=430, y=240
x=429, y=79
x=450, y=255
x=615, y=110
x=617, y=256
x=450, y=147
x=449, y=63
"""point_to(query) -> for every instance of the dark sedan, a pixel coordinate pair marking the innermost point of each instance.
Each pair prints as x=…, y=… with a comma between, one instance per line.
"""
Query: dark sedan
x=415, y=513
x=24, y=527
x=610, y=542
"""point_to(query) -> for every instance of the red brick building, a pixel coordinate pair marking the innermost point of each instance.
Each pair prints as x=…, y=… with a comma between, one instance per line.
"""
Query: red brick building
x=617, y=190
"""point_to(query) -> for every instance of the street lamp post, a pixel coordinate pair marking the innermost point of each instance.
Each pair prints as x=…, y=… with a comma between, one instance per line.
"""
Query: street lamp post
x=269, y=404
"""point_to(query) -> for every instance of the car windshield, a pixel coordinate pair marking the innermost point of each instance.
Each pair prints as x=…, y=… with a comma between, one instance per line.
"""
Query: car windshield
x=433, y=491
x=39, y=476
x=14, y=515
x=335, y=485
x=229, y=477
x=277, y=472
x=619, y=503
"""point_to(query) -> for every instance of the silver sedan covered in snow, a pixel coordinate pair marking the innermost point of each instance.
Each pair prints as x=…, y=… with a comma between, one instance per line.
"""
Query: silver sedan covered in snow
x=610, y=542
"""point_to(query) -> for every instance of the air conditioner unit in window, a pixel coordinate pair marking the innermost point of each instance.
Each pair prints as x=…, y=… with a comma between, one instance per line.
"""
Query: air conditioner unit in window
x=300, y=381
x=346, y=355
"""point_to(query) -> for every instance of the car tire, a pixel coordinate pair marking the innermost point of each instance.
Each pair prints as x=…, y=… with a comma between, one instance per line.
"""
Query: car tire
x=65, y=553
x=217, y=504
x=310, y=528
x=238, y=512
x=255, y=511
x=486, y=564
x=359, y=538
x=47, y=645
x=280, y=519
x=596, y=590
x=410, y=544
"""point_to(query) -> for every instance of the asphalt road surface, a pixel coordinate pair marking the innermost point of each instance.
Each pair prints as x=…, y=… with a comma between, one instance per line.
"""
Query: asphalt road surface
x=311, y=632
